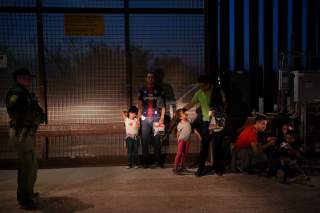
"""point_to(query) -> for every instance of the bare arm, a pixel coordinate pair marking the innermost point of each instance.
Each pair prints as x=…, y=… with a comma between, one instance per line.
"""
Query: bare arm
x=124, y=115
x=270, y=142
x=163, y=112
x=199, y=138
x=139, y=109
x=257, y=150
x=189, y=105
x=139, y=113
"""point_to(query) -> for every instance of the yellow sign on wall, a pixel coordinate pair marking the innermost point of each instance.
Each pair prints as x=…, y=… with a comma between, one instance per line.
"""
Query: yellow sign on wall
x=83, y=25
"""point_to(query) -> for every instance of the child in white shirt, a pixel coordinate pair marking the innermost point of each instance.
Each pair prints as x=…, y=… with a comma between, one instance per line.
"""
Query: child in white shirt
x=132, y=129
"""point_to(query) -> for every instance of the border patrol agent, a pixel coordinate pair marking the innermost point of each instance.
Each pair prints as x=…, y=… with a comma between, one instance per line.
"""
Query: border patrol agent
x=25, y=116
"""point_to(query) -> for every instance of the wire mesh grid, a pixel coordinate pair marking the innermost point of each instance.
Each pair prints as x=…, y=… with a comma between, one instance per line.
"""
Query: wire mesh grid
x=86, y=74
x=174, y=43
x=18, y=42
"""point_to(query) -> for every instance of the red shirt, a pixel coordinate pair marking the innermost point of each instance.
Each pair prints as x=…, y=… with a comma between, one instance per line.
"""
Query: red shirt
x=247, y=137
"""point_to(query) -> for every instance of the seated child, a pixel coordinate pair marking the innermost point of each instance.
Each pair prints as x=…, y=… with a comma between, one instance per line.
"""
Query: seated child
x=132, y=129
x=290, y=157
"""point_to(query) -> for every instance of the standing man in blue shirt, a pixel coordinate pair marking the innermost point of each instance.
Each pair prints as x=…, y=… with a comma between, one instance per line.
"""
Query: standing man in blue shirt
x=151, y=105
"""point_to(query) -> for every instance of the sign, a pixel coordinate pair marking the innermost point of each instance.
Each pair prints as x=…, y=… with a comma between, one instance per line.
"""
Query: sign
x=83, y=25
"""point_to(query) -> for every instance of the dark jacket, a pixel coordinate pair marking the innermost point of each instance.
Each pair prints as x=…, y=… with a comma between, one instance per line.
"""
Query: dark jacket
x=23, y=108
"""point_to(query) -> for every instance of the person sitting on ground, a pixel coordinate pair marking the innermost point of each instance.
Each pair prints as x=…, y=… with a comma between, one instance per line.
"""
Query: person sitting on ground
x=290, y=153
x=283, y=131
x=132, y=129
x=249, y=152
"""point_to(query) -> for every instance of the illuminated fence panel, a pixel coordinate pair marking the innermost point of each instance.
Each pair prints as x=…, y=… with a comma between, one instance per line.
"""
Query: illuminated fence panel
x=87, y=146
x=86, y=74
x=174, y=43
x=101, y=146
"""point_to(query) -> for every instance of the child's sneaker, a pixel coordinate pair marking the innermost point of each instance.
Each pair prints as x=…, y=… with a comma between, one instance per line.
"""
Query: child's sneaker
x=136, y=167
x=129, y=167
x=184, y=169
x=175, y=171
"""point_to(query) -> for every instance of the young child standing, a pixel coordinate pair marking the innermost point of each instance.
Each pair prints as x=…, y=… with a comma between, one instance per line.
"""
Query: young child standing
x=132, y=128
x=183, y=136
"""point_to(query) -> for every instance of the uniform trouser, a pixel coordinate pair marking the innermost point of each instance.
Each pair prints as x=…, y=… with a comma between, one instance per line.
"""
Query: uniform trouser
x=148, y=136
x=205, y=142
x=27, y=166
x=132, y=147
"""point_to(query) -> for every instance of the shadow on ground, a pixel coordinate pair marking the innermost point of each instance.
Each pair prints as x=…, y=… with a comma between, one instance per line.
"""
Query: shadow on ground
x=61, y=204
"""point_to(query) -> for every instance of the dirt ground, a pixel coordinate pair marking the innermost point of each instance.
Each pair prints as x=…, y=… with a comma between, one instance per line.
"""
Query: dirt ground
x=117, y=189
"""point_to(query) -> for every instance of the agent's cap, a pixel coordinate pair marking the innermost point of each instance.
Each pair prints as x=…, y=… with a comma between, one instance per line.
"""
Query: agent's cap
x=133, y=109
x=22, y=72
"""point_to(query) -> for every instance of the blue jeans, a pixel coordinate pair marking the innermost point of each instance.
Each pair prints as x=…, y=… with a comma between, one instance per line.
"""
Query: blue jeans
x=148, y=138
x=132, y=147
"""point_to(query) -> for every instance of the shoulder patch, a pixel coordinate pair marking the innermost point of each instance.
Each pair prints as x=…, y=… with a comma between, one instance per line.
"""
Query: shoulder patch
x=13, y=98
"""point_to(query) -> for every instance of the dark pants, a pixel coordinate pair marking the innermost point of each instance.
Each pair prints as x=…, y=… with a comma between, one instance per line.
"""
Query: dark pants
x=132, y=147
x=27, y=166
x=149, y=138
x=246, y=159
x=221, y=151
x=205, y=142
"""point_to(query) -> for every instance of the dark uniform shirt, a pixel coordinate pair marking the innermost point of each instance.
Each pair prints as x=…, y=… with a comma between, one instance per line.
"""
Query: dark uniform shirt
x=23, y=108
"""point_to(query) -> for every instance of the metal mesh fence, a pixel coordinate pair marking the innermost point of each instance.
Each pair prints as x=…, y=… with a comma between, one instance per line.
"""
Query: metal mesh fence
x=18, y=42
x=87, y=75
x=173, y=43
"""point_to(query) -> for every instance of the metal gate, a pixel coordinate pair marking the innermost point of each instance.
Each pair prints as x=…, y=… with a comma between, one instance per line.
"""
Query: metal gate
x=85, y=80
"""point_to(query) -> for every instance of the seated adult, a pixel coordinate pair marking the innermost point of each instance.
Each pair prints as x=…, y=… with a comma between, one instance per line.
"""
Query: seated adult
x=250, y=153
